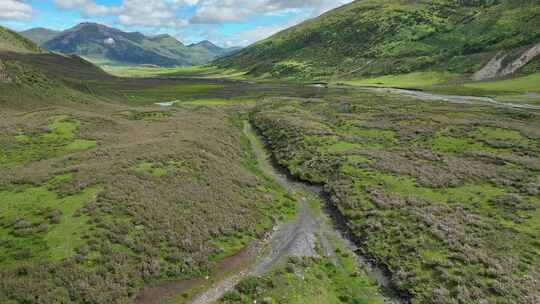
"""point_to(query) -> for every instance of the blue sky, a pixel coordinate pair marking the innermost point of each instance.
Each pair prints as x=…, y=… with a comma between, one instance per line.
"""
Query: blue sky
x=224, y=22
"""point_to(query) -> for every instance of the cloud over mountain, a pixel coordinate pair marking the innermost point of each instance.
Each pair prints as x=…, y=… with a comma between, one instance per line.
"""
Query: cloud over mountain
x=227, y=22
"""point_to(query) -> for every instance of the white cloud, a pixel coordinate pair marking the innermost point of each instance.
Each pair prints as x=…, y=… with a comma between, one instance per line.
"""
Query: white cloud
x=163, y=13
x=146, y=13
x=206, y=15
x=15, y=10
x=86, y=7
x=218, y=11
x=157, y=13
x=248, y=37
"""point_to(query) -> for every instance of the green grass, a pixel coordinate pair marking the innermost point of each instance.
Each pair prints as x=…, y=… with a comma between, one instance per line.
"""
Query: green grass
x=411, y=80
x=11, y=41
x=309, y=281
x=59, y=139
x=230, y=245
x=161, y=169
x=165, y=93
x=141, y=71
x=341, y=146
x=499, y=134
x=429, y=187
x=201, y=71
x=217, y=102
x=509, y=90
x=48, y=227
x=529, y=83
x=80, y=144
x=452, y=144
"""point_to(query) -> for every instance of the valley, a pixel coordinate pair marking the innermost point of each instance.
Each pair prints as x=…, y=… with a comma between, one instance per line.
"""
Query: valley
x=382, y=152
x=110, y=159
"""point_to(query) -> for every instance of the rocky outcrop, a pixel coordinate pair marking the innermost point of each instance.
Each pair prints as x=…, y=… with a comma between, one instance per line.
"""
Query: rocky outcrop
x=495, y=68
x=525, y=58
x=4, y=76
x=491, y=69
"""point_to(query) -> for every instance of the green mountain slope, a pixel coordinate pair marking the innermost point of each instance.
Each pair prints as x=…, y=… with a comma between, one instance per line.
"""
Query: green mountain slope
x=391, y=36
x=212, y=50
x=11, y=41
x=39, y=35
x=107, y=45
x=30, y=77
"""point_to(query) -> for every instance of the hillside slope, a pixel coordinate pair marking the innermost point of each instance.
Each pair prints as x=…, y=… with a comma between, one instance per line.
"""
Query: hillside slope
x=106, y=45
x=11, y=41
x=389, y=37
x=30, y=77
x=206, y=46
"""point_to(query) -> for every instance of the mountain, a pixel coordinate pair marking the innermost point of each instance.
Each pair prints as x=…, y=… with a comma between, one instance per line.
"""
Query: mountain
x=39, y=35
x=374, y=37
x=206, y=45
x=105, y=45
x=31, y=77
x=211, y=49
x=11, y=41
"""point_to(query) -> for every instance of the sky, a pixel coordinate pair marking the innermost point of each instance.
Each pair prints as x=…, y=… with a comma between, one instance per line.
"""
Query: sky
x=225, y=22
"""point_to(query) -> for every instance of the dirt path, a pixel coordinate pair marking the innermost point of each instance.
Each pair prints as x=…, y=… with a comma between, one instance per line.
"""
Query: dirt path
x=298, y=238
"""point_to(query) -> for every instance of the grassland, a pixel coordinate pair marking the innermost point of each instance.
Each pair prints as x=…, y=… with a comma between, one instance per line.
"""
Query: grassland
x=308, y=281
x=446, y=196
x=201, y=71
x=517, y=89
x=39, y=225
x=98, y=200
x=529, y=83
x=13, y=42
x=102, y=192
x=58, y=139
x=412, y=80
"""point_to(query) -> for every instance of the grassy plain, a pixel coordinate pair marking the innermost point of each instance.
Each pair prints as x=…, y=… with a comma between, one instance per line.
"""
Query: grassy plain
x=302, y=281
x=202, y=71
x=412, y=80
x=103, y=192
x=519, y=89
x=103, y=195
x=445, y=195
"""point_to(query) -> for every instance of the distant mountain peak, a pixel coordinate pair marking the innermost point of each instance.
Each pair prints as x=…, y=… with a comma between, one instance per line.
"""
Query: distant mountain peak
x=206, y=44
x=86, y=24
x=42, y=29
x=39, y=35
x=165, y=37
x=113, y=46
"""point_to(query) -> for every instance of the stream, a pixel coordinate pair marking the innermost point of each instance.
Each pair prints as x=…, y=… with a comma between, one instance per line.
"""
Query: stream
x=308, y=230
x=299, y=237
x=311, y=228
x=456, y=98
